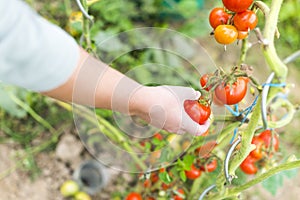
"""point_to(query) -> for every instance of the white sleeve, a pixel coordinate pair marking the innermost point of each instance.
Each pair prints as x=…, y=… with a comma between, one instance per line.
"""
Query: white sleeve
x=34, y=53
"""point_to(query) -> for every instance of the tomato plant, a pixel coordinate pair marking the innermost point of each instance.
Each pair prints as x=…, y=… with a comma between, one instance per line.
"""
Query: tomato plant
x=199, y=112
x=232, y=93
x=225, y=34
x=245, y=122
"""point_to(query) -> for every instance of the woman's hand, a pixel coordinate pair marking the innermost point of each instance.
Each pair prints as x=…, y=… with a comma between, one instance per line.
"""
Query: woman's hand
x=162, y=106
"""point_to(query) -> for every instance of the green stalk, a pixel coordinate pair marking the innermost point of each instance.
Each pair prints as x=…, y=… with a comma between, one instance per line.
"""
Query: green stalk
x=238, y=189
x=269, y=50
x=244, y=51
x=86, y=26
x=247, y=136
x=110, y=131
x=32, y=113
x=195, y=187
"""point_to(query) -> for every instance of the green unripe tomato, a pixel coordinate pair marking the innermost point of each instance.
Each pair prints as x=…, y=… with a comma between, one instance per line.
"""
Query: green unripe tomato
x=82, y=196
x=69, y=188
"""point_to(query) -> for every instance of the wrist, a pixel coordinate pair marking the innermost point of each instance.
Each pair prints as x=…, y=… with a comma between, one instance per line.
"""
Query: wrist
x=140, y=102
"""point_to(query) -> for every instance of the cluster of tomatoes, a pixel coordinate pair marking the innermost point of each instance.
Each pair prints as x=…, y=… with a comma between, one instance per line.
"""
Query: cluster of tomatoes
x=228, y=90
x=209, y=165
x=71, y=189
x=154, y=179
x=203, y=163
x=232, y=22
x=266, y=143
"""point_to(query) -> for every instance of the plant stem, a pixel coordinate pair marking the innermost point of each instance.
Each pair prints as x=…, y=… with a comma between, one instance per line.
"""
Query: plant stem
x=33, y=114
x=236, y=190
x=247, y=135
x=269, y=50
x=195, y=187
x=68, y=8
x=86, y=26
x=111, y=131
x=244, y=51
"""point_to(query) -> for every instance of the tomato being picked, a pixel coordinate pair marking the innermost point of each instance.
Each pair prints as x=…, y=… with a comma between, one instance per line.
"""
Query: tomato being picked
x=232, y=93
x=193, y=173
x=217, y=17
x=237, y=5
x=199, y=112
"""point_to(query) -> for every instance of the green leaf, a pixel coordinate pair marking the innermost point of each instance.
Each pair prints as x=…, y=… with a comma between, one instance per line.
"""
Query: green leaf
x=290, y=173
x=188, y=161
x=182, y=176
x=164, y=177
x=273, y=183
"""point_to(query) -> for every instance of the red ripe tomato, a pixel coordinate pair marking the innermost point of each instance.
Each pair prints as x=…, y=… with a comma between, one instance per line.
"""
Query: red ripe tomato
x=217, y=17
x=245, y=21
x=147, y=183
x=134, y=196
x=237, y=5
x=242, y=35
x=248, y=166
x=234, y=93
x=193, y=173
x=257, y=152
x=225, y=34
x=197, y=111
x=165, y=186
x=181, y=191
x=154, y=177
x=158, y=136
x=210, y=167
x=266, y=136
x=203, y=81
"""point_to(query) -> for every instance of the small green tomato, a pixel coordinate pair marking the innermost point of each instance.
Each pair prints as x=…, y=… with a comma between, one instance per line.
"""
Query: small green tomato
x=69, y=188
x=82, y=196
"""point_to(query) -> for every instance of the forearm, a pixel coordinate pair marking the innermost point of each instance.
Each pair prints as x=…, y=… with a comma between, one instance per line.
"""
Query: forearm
x=95, y=84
